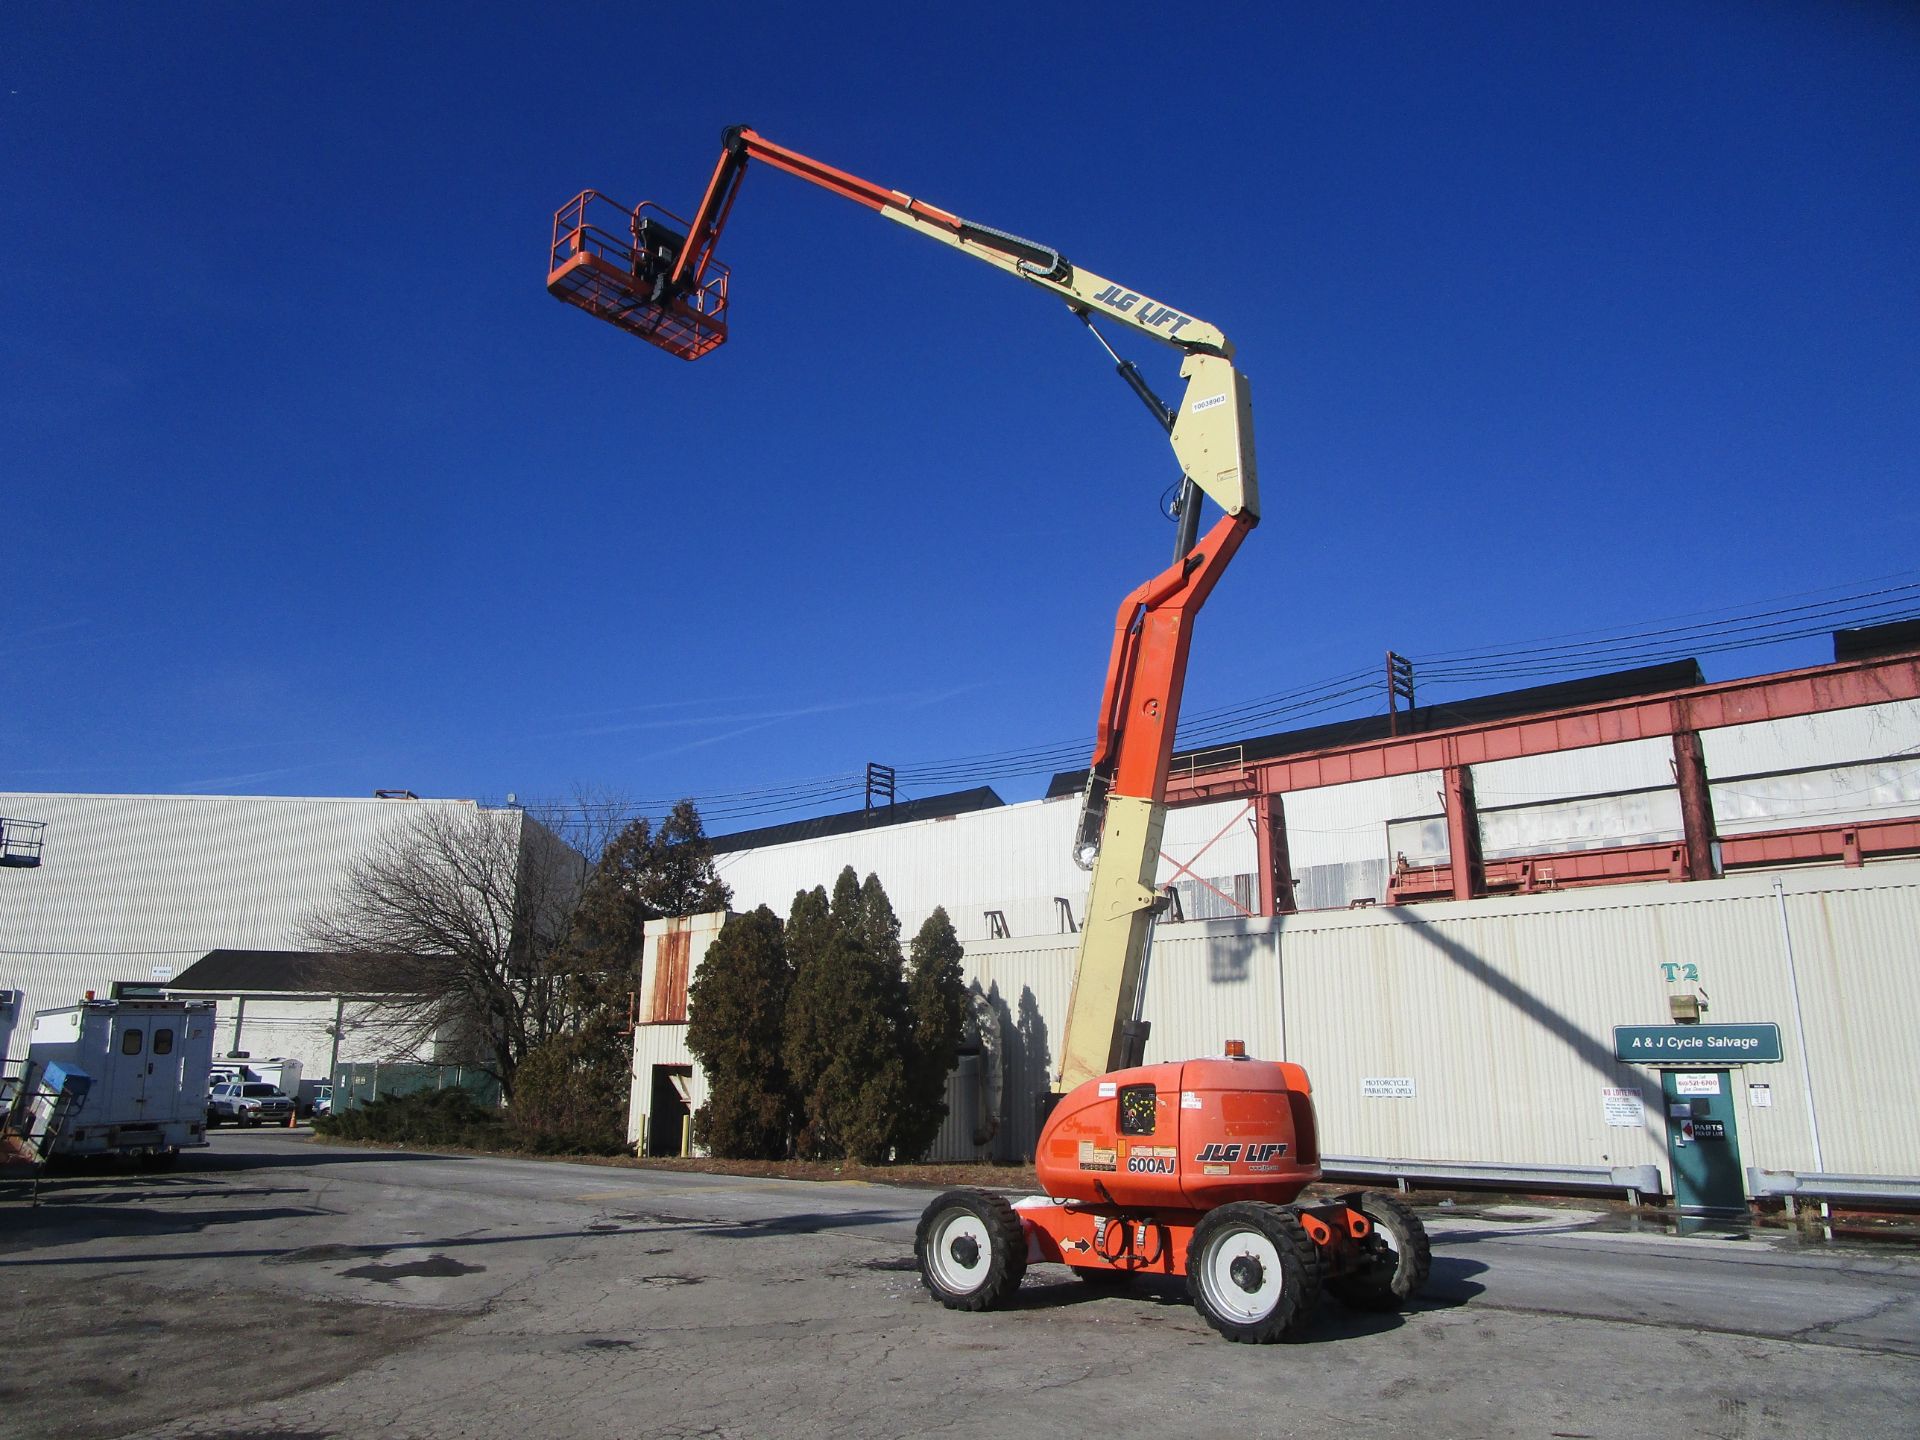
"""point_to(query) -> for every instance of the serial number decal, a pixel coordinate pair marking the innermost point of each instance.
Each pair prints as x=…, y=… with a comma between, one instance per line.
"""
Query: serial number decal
x=1092, y=1157
x=1207, y=404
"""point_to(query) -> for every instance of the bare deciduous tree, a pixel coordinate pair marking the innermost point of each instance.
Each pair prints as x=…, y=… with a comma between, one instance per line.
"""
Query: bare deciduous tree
x=481, y=904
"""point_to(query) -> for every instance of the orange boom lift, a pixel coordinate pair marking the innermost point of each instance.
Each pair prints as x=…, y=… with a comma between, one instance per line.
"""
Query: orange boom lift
x=1189, y=1167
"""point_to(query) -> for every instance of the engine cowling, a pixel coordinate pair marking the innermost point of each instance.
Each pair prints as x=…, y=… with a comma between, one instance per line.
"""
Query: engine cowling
x=1183, y=1135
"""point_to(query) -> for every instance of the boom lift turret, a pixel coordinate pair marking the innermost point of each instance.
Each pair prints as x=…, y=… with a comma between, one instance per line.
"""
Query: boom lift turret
x=1183, y=1167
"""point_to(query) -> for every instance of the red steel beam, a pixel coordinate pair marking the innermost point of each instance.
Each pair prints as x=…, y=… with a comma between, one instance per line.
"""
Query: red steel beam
x=1851, y=843
x=1843, y=686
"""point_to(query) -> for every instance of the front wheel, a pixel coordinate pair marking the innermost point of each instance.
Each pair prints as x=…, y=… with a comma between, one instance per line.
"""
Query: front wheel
x=1396, y=1258
x=972, y=1249
x=1253, y=1273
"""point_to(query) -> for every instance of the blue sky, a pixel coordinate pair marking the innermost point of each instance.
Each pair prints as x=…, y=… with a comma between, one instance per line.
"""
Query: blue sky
x=1558, y=319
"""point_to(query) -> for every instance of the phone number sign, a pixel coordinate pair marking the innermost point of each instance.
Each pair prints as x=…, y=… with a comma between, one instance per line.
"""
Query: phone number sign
x=1697, y=1044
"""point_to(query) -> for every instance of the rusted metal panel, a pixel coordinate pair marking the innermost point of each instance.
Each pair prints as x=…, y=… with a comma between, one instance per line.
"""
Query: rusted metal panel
x=667, y=995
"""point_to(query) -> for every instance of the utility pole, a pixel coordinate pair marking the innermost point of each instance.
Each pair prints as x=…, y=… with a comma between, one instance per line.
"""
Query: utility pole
x=1399, y=687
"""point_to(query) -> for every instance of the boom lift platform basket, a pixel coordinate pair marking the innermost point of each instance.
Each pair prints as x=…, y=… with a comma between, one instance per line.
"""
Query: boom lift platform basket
x=615, y=263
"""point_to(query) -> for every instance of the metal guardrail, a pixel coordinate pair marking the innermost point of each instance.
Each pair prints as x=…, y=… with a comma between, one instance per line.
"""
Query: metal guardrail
x=1792, y=1184
x=1635, y=1180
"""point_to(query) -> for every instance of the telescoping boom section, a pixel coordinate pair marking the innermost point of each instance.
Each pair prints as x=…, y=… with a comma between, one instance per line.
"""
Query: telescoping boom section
x=1182, y=1167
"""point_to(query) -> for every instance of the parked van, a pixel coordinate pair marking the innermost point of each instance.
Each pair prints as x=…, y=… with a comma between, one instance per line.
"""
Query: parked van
x=146, y=1062
x=280, y=1072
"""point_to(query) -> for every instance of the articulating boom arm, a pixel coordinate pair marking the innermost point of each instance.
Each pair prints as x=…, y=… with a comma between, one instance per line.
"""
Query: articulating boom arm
x=670, y=289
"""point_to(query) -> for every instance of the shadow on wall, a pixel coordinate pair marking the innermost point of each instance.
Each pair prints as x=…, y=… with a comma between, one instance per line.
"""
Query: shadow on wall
x=1230, y=958
x=1596, y=1054
x=1029, y=1070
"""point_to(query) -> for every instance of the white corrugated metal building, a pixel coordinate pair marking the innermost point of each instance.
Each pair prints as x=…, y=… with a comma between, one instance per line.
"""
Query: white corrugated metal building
x=140, y=887
x=1485, y=1023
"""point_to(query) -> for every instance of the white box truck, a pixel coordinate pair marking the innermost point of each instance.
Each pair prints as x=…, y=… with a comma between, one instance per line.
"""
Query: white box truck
x=147, y=1061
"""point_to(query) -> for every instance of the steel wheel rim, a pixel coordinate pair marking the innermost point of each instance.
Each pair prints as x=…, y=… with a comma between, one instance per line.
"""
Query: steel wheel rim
x=952, y=1273
x=1226, y=1295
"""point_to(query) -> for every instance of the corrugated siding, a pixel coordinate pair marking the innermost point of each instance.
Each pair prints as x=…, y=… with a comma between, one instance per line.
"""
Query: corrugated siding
x=1856, y=764
x=133, y=883
x=1337, y=824
x=658, y=1045
x=1210, y=983
x=1501, y=1013
x=1568, y=774
x=1565, y=825
x=1857, y=950
x=1876, y=790
x=1831, y=737
x=1341, y=839
x=955, y=1141
x=1014, y=860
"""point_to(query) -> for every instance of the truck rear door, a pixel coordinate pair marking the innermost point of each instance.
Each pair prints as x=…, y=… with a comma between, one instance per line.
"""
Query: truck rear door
x=128, y=1061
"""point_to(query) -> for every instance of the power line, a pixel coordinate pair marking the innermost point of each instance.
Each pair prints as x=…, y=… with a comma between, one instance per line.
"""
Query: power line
x=1710, y=632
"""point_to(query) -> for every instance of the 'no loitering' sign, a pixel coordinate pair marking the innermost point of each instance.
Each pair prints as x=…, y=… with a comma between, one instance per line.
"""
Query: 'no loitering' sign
x=1697, y=1044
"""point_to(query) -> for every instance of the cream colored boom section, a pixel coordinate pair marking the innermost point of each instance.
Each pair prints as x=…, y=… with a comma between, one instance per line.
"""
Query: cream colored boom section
x=1113, y=942
x=1212, y=438
x=1213, y=424
x=1084, y=290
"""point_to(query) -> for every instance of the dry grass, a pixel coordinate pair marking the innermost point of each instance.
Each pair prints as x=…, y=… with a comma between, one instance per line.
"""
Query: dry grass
x=1016, y=1178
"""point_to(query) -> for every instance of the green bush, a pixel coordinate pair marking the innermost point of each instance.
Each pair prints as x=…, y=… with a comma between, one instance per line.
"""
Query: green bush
x=570, y=1095
x=426, y=1117
x=735, y=1009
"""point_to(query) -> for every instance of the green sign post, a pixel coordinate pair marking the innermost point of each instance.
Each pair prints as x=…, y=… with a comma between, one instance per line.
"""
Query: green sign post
x=1697, y=1044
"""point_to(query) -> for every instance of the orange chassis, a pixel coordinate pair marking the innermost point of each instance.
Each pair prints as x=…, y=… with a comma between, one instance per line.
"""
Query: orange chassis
x=1132, y=1161
x=1155, y=1242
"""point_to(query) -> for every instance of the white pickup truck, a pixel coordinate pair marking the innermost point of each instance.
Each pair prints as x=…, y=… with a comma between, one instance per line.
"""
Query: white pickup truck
x=248, y=1102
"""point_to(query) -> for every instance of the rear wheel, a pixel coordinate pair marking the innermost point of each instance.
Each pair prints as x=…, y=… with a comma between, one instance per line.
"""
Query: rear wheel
x=1253, y=1273
x=972, y=1249
x=1396, y=1258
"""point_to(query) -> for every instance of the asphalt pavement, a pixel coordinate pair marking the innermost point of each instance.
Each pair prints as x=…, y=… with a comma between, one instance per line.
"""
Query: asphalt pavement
x=272, y=1286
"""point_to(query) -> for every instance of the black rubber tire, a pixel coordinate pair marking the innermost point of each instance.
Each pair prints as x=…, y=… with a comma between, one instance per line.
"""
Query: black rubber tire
x=1400, y=1258
x=971, y=1248
x=1275, y=1300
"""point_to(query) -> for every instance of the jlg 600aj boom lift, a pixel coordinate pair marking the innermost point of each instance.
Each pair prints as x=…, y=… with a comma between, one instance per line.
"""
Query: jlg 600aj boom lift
x=1186, y=1167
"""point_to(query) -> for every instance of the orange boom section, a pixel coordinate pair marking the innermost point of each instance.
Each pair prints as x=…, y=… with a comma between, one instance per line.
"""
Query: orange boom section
x=1185, y=1135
